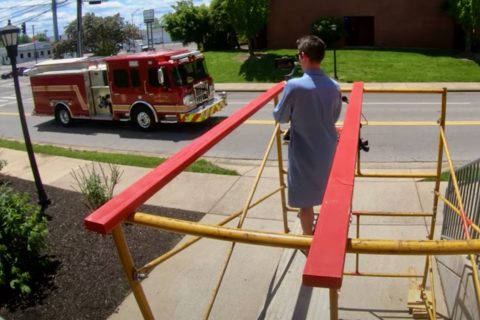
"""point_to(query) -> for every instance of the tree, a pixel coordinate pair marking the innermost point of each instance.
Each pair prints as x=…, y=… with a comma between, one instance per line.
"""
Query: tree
x=323, y=28
x=63, y=46
x=157, y=23
x=23, y=38
x=41, y=37
x=248, y=17
x=188, y=23
x=467, y=14
x=223, y=35
x=102, y=36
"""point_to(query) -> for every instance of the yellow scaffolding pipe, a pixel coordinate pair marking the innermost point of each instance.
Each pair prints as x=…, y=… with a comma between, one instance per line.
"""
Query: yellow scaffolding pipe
x=242, y=219
x=391, y=214
x=333, y=294
x=146, y=269
x=396, y=175
x=395, y=90
x=273, y=239
x=381, y=275
x=433, y=221
x=457, y=211
x=129, y=268
x=283, y=198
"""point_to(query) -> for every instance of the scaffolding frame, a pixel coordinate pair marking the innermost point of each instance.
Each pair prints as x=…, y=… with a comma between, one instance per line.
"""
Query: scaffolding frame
x=122, y=209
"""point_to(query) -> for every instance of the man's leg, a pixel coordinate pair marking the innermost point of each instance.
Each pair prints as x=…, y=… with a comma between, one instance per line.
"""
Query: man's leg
x=306, y=220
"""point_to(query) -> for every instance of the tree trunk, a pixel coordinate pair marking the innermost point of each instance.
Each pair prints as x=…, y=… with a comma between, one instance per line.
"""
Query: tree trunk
x=250, y=47
x=468, y=41
x=237, y=43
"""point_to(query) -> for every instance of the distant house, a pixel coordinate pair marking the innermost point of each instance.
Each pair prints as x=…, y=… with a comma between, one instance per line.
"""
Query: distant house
x=26, y=52
x=159, y=36
x=369, y=23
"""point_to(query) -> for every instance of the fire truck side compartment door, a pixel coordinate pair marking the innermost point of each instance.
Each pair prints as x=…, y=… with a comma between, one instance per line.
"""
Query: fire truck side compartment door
x=100, y=91
x=161, y=92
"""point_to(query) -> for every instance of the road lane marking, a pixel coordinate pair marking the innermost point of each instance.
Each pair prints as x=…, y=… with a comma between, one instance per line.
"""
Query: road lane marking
x=340, y=123
x=241, y=103
x=416, y=103
x=12, y=114
x=388, y=123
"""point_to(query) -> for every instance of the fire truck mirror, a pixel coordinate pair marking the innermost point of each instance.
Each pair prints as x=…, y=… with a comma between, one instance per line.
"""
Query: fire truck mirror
x=161, y=77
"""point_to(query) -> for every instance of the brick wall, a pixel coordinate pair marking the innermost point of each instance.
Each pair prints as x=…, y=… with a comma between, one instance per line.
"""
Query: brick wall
x=398, y=23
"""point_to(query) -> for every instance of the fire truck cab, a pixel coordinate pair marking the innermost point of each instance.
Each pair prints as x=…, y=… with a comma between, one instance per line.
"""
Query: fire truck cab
x=145, y=88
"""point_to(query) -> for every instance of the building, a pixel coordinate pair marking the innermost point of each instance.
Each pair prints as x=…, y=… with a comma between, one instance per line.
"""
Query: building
x=26, y=52
x=370, y=23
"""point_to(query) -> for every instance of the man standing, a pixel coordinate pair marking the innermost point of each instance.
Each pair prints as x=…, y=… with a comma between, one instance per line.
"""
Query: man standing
x=312, y=104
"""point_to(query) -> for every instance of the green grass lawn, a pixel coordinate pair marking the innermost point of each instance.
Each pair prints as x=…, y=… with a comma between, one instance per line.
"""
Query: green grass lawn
x=352, y=65
x=199, y=166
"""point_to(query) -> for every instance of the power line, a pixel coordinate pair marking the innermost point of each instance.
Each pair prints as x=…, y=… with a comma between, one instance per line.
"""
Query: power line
x=59, y=5
x=33, y=8
x=23, y=6
x=20, y=12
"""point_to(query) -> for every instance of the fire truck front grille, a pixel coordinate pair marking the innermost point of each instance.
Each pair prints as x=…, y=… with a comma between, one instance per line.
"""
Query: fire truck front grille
x=201, y=92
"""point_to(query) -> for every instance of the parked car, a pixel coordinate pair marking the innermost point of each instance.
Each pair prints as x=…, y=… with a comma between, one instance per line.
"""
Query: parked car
x=6, y=75
x=21, y=71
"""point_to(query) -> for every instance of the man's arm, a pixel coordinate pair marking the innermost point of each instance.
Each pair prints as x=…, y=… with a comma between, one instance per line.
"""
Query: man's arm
x=337, y=109
x=283, y=110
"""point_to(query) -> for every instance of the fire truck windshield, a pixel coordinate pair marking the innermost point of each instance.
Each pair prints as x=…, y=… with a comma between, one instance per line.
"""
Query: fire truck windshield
x=188, y=72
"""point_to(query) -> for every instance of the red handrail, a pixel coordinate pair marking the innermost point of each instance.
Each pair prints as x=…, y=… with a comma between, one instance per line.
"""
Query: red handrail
x=112, y=213
x=325, y=262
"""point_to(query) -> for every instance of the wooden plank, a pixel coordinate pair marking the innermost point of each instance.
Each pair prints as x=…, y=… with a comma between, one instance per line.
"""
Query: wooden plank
x=326, y=259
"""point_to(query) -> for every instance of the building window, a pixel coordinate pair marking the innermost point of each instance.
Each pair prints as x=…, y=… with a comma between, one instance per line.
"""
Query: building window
x=21, y=55
x=29, y=55
x=120, y=78
x=41, y=53
x=48, y=52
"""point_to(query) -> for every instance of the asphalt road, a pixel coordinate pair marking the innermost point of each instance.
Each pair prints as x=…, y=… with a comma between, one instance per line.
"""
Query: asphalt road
x=387, y=115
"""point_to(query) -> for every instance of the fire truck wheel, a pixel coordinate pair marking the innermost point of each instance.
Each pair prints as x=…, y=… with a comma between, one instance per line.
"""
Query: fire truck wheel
x=62, y=116
x=143, y=118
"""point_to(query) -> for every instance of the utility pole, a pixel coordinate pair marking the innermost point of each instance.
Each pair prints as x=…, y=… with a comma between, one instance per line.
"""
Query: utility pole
x=79, y=29
x=55, y=21
x=34, y=44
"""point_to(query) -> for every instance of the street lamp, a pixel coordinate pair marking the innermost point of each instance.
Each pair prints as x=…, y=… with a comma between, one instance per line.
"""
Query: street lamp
x=9, y=35
x=334, y=29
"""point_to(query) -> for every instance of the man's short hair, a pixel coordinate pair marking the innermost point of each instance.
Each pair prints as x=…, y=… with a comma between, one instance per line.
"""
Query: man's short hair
x=313, y=47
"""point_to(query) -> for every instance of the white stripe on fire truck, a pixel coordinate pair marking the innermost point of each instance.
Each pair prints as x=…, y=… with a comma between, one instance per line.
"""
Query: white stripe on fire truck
x=172, y=108
x=64, y=88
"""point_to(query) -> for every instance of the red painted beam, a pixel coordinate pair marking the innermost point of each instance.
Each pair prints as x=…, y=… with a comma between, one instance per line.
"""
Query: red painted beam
x=326, y=259
x=112, y=213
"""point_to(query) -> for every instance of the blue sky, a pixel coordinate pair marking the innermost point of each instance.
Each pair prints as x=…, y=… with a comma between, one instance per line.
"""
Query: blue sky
x=38, y=12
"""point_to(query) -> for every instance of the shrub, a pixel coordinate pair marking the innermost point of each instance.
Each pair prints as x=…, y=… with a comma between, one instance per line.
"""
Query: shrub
x=95, y=184
x=322, y=27
x=3, y=163
x=22, y=238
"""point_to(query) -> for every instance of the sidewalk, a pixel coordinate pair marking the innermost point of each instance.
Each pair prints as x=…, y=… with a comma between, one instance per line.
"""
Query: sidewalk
x=451, y=86
x=263, y=282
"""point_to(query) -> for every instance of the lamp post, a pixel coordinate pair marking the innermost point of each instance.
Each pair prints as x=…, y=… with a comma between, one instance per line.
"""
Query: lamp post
x=79, y=29
x=334, y=29
x=9, y=35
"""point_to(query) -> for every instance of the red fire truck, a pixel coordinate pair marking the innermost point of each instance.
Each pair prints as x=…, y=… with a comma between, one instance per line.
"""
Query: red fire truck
x=145, y=88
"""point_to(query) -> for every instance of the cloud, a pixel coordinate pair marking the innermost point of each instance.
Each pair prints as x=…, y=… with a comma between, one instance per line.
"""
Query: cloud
x=130, y=10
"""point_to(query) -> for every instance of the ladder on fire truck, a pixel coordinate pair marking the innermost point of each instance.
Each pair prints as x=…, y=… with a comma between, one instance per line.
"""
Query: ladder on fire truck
x=330, y=244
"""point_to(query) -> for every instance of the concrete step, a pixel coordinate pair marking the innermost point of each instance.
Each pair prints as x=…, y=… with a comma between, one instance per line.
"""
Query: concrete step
x=287, y=298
